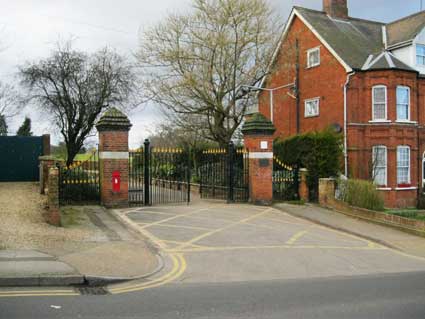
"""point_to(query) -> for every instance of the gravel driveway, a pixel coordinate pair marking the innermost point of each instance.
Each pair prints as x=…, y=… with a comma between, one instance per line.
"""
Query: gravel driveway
x=22, y=225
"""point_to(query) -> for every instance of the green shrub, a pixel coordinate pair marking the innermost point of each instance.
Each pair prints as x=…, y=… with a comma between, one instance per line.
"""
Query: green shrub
x=319, y=152
x=360, y=193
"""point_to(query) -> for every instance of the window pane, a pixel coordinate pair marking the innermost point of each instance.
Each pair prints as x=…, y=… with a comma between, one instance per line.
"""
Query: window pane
x=420, y=54
x=379, y=112
x=379, y=95
x=402, y=112
x=379, y=165
x=380, y=176
x=403, y=165
x=313, y=58
x=402, y=95
x=402, y=175
x=311, y=108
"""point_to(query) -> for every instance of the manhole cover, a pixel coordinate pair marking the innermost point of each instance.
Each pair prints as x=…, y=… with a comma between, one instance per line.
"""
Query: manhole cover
x=92, y=290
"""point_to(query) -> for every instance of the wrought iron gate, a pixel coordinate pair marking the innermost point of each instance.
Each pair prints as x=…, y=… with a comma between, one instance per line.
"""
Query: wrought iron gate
x=159, y=176
x=285, y=181
x=80, y=183
x=224, y=174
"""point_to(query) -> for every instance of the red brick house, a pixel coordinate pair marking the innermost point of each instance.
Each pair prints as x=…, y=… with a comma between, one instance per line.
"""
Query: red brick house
x=366, y=79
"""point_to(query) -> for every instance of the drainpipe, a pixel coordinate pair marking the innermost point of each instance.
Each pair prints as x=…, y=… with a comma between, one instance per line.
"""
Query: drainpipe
x=345, y=123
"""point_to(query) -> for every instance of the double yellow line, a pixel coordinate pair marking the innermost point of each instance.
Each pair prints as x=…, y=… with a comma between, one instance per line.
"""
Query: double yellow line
x=37, y=293
x=179, y=267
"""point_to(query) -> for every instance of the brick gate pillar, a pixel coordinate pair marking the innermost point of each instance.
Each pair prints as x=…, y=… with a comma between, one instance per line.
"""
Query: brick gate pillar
x=113, y=129
x=258, y=138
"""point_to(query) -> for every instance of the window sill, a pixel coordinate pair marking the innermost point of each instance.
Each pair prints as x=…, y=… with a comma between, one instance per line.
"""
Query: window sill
x=310, y=116
x=406, y=122
x=410, y=188
x=384, y=188
x=380, y=121
x=312, y=66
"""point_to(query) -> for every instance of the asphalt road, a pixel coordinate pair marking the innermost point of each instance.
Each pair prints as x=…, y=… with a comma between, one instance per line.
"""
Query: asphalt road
x=375, y=296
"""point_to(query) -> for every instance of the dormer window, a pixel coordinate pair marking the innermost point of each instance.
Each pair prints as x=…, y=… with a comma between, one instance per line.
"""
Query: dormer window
x=420, y=54
x=313, y=57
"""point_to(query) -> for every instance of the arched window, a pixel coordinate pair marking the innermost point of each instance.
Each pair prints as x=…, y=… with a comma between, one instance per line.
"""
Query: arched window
x=379, y=165
x=403, y=103
x=379, y=103
x=403, y=165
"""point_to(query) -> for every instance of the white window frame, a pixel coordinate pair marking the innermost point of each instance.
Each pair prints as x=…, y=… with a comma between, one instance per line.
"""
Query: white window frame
x=423, y=171
x=374, y=150
x=417, y=56
x=408, y=103
x=397, y=165
x=316, y=99
x=316, y=49
x=373, y=103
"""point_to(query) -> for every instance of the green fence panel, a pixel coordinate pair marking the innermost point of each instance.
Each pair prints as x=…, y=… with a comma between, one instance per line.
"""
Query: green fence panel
x=19, y=158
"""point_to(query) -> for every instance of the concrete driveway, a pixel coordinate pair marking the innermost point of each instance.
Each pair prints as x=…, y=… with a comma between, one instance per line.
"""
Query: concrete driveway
x=222, y=243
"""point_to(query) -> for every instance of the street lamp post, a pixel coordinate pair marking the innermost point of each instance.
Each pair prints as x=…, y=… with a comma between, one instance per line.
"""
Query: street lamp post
x=271, y=92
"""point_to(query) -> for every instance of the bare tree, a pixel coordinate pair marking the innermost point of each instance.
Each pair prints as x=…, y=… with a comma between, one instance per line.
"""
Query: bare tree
x=10, y=102
x=196, y=64
x=75, y=88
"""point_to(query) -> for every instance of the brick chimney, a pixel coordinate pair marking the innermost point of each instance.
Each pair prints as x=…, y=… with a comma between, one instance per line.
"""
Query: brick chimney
x=336, y=8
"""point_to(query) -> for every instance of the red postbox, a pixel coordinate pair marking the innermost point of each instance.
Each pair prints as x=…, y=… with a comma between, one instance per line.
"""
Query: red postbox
x=116, y=181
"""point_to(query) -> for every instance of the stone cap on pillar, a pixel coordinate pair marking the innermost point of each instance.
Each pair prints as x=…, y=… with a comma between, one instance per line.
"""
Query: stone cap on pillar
x=258, y=124
x=113, y=120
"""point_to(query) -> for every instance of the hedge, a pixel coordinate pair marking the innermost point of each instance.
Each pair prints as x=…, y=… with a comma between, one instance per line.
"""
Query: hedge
x=319, y=152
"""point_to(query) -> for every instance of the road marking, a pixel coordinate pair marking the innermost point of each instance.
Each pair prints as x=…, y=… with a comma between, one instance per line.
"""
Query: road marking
x=178, y=226
x=35, y=293
x=179, y=267
x=297, y=236
x=224, y=248
x=212, y=232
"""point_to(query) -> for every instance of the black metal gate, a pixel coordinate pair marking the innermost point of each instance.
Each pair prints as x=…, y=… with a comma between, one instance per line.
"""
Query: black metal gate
x=159, y=176
x=80, y=183
x=224, y=174
x=285, y=181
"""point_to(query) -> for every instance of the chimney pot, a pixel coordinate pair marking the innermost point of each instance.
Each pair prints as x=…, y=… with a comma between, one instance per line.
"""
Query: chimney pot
x=336, y=8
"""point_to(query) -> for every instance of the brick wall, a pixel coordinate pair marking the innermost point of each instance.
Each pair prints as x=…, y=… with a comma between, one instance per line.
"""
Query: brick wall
x=113, y=141
x=260, y=170
x=325, y=81
x=363, y=135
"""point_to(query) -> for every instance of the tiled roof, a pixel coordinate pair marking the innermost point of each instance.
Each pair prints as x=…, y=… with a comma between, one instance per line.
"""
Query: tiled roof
x=405, y=29
x=384, y=60
x=360, y=43
x=352, y=39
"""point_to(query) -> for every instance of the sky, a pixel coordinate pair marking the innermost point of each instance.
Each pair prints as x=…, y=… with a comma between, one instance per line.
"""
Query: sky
x=30, y=29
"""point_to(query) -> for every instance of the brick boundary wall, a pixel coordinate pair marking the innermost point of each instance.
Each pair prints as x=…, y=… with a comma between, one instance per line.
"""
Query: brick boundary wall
x=52, y=215
x=327, y=199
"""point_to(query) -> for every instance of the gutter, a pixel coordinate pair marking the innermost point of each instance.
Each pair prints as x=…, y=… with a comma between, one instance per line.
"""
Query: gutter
x=345, y=123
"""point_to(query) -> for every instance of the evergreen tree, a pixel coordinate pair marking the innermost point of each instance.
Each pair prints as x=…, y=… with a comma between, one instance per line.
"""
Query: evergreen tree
x=25, y=129
x=3, y=126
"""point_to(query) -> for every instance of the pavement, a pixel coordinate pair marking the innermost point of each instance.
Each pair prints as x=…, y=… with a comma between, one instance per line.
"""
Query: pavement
x=115, y=254
x=385, y=235
x=216, y=242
